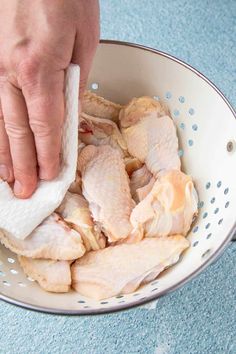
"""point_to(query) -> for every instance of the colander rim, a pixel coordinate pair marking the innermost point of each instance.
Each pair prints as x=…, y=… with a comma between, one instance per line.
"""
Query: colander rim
x=211, y=259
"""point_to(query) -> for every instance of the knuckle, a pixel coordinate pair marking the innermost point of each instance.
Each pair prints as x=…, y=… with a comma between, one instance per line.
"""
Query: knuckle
x=4, y=151
x=16, y=132
x=28, y=69
x=41, y=129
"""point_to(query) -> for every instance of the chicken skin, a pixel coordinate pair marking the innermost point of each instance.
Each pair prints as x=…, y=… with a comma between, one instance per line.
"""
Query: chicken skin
x=99, y=131
x=52, y=239
x=169, y=208
x=106, y=187
x=122, y=269
x=53, y=276
x=97, y=106
x=150, y=135
x=75, y=211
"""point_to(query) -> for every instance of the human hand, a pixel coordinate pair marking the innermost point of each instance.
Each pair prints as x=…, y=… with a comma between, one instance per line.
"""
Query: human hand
x=38, y=40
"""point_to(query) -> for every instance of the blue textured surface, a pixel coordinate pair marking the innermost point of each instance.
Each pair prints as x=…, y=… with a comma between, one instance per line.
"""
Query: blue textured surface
x=199, y=318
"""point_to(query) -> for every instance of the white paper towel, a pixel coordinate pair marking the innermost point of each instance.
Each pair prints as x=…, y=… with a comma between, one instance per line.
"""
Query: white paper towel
x=20, y=217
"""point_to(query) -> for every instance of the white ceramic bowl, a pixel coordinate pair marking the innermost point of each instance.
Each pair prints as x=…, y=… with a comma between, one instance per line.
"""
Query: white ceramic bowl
x=207, y=132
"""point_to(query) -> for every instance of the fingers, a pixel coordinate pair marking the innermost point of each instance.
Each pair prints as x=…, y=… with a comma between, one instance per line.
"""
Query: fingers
x=6, y=170
x=84, y=61
x=20, y=139
x=45, y=104
x=86, y=41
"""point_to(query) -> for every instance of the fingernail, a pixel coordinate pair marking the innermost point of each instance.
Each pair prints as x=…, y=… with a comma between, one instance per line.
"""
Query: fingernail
x=4, y=172
x=18, y=188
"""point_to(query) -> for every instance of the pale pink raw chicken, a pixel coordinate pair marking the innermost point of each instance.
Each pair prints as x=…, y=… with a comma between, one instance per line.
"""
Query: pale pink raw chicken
x=98, y=106
x=52, y=239
x=122, y=269
x=106, y=187
x=97, y=131
x=76, y=186
x=150, y=135
x=140, y=179
x=132, y=164
x=75, y=211
x=169, y=208
x=53, y=276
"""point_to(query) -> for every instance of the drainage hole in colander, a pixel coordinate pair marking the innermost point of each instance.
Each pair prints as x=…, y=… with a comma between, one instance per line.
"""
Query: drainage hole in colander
x=176, y=113
x=2, y=274
x=195, y=127
x=13, y=271
x=219, y=184
x=182, y=126
x=220, y=221
x=207, y=226
x=195, y=229
x=104, y=302
x=168, y=95
x=190, y=142
x=119, y=296
x=157, y=98
x=136, y=294
x=122, y=302
x=195, y=243
x=5, y=282
x=154, y=289
x=213, y=200
x=181, y=99
x=216, y=210
x=94, y=86
x=226, y=204
x=209, y=236
x=204, y=215
x=191, y=111
x=230, y=146
x=208, y=185
x=22, y=285
x=206, y=253
x=11, y=260
x=81, y=302
x=180, y=152
x=226, y=191
x=200, y=204
x=86, y=307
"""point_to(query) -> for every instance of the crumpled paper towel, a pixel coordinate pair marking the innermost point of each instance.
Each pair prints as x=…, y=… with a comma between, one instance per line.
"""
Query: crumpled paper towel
x=20, y=217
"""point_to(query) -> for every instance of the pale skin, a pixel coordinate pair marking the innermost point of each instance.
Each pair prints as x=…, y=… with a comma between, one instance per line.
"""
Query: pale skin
x=38, y=40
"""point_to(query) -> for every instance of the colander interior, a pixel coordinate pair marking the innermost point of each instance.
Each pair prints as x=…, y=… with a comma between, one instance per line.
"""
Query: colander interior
x=206, y=128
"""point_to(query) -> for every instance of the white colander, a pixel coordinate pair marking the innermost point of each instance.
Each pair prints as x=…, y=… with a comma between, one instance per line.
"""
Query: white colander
x=207, y=133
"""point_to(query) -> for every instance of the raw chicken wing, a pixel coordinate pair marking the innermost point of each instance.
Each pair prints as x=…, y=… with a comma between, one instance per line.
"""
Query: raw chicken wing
x=139, y=179
x=52, y=239
x=150, y=136
x=169, y=208
x=54, y=276
x=100, y=131
x=97, y=106
x=122, y=269
x=76, y=186
x=75, y=211
x=106, y=187
x=132, y=164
